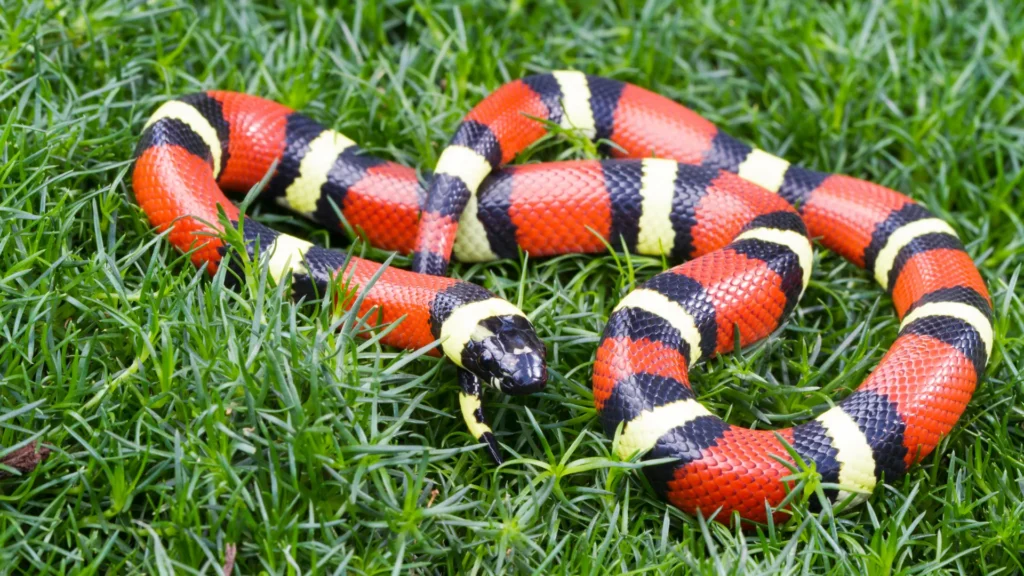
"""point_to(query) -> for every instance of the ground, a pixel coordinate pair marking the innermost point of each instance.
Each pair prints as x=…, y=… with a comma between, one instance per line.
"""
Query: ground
x=189, y=422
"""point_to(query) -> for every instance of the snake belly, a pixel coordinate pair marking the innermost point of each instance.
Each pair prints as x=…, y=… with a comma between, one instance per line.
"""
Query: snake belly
x=741, y=281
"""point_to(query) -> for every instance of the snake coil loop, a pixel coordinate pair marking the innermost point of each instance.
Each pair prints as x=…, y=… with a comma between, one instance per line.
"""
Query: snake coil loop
x=740, y=216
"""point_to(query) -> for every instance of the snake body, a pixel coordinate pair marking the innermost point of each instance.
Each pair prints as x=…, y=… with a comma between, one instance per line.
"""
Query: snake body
x=680, y=188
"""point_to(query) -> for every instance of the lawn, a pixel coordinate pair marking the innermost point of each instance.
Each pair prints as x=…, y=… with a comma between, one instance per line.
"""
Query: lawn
x=189, y=422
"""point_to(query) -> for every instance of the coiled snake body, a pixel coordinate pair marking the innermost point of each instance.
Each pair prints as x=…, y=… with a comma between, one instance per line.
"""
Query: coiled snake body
x=683, y=189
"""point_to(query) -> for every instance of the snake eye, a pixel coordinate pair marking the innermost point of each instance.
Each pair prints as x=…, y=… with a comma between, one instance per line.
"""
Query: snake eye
x=506, y=352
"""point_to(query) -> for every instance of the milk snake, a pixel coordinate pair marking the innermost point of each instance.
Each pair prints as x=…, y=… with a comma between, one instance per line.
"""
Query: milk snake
x=680, y=188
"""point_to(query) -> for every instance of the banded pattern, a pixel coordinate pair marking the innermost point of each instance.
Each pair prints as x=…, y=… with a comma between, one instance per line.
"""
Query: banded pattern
x=194, y=146
x=895, y=418
x=708, y=197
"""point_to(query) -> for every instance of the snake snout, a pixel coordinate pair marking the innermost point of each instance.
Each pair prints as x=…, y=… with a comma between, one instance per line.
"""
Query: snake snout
x=510, y=356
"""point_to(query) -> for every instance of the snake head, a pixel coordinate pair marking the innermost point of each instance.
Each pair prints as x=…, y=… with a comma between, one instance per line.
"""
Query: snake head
x=505, y=351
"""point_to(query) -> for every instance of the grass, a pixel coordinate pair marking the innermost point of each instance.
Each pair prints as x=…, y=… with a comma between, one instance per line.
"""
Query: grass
x=189, y=422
